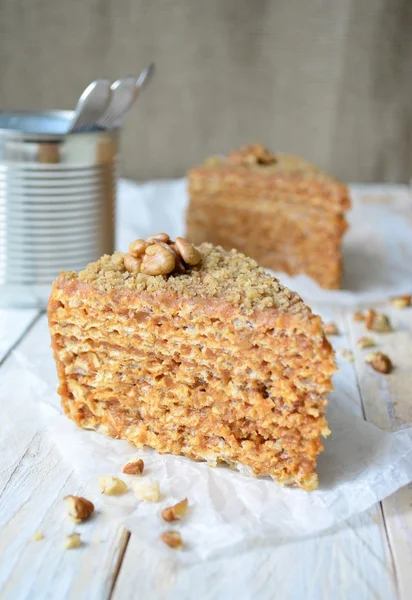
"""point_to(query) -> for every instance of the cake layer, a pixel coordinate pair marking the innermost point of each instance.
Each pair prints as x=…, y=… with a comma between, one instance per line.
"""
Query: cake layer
x=274, y=392
x=266, y=350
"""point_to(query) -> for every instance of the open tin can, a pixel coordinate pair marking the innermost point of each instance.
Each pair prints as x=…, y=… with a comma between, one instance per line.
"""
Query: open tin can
x=57, y=201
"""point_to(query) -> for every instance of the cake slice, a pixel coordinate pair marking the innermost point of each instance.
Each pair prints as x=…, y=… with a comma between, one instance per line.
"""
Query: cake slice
x=196, y=352
x=277, y=208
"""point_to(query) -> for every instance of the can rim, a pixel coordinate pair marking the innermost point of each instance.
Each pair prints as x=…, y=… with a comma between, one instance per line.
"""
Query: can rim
x=34, y=136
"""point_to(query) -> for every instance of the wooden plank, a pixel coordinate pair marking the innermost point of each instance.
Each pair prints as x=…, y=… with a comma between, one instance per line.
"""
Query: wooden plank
x=348, y=562
x=13, y=323
x=351, y=561
x=33, y=481
x=387, y=400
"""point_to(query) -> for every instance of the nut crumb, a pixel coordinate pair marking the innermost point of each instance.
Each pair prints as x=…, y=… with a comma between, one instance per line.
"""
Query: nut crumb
x=37, y=537
x=78, y=508
x=173, y=539
x=134, y=467
x=331, y=329
x=146, y=489
x=72, y=541
x=365, y=342
x=380, y=362
x=346, y=354
x=358, y=316
x=378, y=322
x=175, y=512
x=401, y=301
x=112, y=486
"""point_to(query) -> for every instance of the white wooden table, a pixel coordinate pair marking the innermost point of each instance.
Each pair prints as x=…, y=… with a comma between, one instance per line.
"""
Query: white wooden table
x=369, y=556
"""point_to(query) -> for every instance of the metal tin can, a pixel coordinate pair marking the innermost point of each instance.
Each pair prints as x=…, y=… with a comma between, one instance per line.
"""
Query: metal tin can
x=57, y=200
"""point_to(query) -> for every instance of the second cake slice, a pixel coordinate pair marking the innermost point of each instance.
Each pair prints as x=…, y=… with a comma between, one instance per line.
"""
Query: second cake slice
x=277, y=208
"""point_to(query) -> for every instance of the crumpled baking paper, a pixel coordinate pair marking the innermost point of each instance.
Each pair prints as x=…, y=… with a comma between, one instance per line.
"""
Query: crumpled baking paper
x=230, y=512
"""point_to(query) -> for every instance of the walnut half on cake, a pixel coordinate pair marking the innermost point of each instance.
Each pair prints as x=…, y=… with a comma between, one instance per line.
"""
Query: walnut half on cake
x=208, y=357
x=281, y=210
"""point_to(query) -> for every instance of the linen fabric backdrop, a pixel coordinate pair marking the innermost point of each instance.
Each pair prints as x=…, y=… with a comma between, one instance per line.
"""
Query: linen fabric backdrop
x=328, y=79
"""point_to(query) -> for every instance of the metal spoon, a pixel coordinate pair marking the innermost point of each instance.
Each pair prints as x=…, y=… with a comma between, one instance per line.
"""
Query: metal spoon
x=123, y=96
x=91, y=105
x=144, y=77
x=125, y=92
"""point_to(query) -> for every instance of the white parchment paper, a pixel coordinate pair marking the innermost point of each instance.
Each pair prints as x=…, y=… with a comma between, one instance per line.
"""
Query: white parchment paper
x=230, y=512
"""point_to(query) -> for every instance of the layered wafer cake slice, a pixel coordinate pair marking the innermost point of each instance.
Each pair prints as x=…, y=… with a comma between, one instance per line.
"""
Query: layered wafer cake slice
x=278, y=208
x=195, y=352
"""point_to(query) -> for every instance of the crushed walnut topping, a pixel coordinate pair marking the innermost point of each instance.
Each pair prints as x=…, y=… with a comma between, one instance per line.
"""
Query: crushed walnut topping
x=158, y=255
x=401, y=301
x=254, y=154
x=378, y=322
x=380, y=362
x=227, y=275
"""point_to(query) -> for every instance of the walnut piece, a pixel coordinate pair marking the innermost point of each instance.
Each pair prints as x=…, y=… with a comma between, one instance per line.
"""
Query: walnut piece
x=72, y=541
x=180, y=266
x=358, y=316
x=330, y=329
x=37, y=536
x=78, y=508
x=158, y=260
x=188, y=252
x=378, y=322
x=112, y=486
x=159, y=255
x=380, y=362
x=175, y=512
x=132, y=264
x=137, y=248
x=134, y=467
x=146, y=489
x=401, y=301
x=365, y=342
x=173, y=539
x=254, y=154
x=158, y=237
